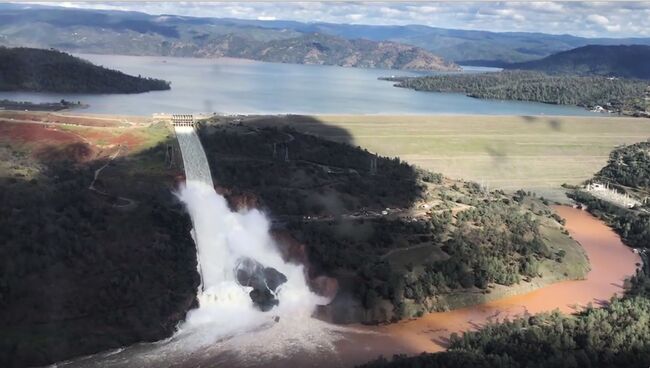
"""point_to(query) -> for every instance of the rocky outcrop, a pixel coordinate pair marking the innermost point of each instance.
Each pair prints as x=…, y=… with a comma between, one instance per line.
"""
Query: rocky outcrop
x=264, y=281
x=330, y=50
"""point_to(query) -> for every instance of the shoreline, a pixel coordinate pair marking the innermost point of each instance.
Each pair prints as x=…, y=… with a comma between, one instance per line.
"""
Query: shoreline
x=358, y=344
x=386, y=114
x=430, y=333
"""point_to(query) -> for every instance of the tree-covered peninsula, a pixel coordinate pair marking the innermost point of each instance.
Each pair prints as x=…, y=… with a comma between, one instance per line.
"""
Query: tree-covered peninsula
x=613, y=94
x=38, y=70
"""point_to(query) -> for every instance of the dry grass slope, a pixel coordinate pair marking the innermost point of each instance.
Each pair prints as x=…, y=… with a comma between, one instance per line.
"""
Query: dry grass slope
x=508, y=152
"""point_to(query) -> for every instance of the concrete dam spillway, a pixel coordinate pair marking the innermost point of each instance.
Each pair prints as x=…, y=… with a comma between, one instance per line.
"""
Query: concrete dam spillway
x=245, y=282
x=234, y=250
x=253, y=307
x=194, y=159
x=236, y=254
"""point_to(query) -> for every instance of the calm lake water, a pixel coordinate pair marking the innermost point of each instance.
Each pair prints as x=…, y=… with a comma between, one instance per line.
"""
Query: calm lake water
x=250, y=87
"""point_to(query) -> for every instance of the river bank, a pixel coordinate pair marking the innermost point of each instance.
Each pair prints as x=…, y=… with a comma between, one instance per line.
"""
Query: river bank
x=358, y=344
x=611, y=261
x=352, y=345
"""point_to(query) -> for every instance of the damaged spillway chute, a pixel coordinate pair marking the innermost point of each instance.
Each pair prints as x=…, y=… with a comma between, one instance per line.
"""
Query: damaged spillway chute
x=252, y=305
x=240, y=266
x=265, y=282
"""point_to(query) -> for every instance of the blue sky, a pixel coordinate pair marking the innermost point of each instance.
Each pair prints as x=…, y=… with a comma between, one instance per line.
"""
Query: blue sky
x=590, y=19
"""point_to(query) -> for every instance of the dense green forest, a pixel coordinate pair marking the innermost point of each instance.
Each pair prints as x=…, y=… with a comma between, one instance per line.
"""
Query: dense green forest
x=623, y=61
x=37, y=70
x=613, y=94
x=628, y=166
x=616, y=335
x=325, y=195
x=80, y=275
x=492, y=243
x=295, y=173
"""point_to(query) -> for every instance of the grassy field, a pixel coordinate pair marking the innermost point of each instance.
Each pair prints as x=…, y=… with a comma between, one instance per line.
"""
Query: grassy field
x=508, y=152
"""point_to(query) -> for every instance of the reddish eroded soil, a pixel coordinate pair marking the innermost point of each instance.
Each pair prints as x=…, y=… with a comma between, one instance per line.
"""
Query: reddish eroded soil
x=47, y=143
x=48, y=117
x=103, y=137
x=34, y=133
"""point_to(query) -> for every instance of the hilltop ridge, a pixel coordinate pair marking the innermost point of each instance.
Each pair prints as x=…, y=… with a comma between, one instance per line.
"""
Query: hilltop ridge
x=135, y=33
x=37, y=70
x=623, y=61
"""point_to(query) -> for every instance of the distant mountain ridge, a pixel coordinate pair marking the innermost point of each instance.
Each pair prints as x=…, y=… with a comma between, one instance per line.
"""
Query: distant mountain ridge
x=104, y=31
x=37, y=70
x=141, y=34
x=624, y=61
x=331, y=50
x=317, y=49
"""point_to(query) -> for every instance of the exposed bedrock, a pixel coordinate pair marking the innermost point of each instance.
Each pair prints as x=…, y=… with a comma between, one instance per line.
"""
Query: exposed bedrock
x=264, y=281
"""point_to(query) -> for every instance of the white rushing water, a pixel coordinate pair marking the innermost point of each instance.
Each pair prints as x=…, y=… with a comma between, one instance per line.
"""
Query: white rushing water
x=227, y=329
x=196, y=164
x=223, y=238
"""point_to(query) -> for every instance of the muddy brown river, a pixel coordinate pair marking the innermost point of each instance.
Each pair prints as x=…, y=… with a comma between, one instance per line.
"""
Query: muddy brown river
x=317, y=344
x=611, y=263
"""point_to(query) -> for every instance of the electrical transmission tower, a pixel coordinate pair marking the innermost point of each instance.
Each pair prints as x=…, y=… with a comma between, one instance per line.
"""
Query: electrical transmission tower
x=373, y=165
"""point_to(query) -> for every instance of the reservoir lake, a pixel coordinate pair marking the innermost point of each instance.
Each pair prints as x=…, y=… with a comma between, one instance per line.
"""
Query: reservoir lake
x=236, y=86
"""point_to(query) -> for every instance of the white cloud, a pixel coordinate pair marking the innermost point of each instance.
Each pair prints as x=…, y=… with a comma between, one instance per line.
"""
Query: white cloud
x=602, y=19
x=613, y=28
x=424, y=9
x=389, y=11
x=598, y=19
x=355, y=17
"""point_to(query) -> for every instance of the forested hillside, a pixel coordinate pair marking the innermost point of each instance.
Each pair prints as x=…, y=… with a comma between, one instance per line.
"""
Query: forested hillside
x=37, y=70
x=614, y=94
x=400, y=240
x=83, y=272
x=628, y=170
x=616, y=335
x=331, y=50
x=628, y=166
x=630, y=61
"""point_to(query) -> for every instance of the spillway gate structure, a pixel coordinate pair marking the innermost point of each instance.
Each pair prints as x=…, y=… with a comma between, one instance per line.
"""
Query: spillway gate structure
x=183, y=120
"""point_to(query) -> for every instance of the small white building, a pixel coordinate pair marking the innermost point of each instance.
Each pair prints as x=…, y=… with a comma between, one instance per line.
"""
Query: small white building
x=604, y=192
